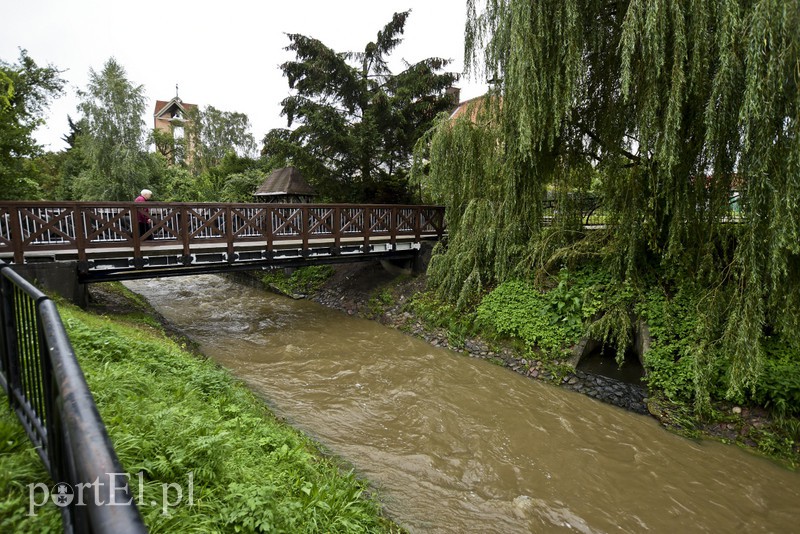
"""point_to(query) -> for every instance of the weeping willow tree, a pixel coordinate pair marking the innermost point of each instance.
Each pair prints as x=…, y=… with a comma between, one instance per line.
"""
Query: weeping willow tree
x=672, y=105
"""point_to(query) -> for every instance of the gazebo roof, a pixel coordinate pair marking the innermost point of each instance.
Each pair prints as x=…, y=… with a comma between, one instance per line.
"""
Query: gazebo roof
x=285, y=181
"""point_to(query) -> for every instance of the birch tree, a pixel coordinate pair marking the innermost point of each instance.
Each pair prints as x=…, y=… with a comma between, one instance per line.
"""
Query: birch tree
x=114, y=136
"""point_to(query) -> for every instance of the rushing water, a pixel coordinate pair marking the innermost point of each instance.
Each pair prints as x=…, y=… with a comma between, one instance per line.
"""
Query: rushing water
x=455, y=444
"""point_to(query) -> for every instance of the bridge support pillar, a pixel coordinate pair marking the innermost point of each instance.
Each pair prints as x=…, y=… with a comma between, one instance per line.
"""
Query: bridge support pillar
x=59, y=277
x=423, y=257
x=398, y=267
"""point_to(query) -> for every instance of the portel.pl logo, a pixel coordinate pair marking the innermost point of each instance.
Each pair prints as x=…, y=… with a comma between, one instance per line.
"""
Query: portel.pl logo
x=84, y=493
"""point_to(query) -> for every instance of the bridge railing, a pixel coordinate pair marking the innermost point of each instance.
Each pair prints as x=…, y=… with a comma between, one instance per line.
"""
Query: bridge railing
x=48, y=392
x=28, y=227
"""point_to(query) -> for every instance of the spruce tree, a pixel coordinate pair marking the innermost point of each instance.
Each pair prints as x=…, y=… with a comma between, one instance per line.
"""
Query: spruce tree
x=355, y=122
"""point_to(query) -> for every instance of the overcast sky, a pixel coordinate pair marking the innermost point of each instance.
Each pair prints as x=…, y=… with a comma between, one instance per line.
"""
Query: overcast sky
x=224, y=54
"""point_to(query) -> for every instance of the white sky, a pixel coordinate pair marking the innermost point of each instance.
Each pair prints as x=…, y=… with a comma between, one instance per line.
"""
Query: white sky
x=223, y=54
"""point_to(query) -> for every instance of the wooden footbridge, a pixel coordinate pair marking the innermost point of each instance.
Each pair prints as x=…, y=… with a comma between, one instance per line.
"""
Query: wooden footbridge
x=103, y=239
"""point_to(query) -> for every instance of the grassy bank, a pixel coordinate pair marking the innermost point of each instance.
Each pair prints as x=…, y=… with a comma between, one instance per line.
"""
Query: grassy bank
x=176, y=419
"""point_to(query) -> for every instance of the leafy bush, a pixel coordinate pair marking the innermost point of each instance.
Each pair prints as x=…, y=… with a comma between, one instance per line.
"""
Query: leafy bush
x=438, y=314
x=379, y=302
x=671, y=360
x=305, y=280
x=778, y=386
x=550, y=321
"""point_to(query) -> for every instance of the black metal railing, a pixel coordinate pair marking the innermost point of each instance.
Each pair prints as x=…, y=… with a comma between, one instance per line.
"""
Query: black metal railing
x=47, y=390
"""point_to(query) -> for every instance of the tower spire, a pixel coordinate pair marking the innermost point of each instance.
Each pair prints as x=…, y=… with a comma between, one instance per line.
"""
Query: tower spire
x=176, y=91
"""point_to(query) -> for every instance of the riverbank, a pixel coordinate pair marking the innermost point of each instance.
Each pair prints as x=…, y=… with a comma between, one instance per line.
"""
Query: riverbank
x=179, y=420
x=370, y=291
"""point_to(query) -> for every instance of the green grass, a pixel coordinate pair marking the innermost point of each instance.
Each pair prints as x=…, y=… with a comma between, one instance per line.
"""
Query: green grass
x=20, y=467
x=175, y=418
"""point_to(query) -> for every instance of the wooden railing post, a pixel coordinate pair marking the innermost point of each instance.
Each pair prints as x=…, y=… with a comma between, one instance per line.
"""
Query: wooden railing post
x=305, y=228
x=393, y=227
x=337, y=230
x=16, y=235
x=80, y=238
x=417, y=223
x=367, y=227
x=229, y=233
x=269, y=231
x=183, y=232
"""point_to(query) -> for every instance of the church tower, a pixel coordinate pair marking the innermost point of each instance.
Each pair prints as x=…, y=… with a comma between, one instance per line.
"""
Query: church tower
x=171, y=117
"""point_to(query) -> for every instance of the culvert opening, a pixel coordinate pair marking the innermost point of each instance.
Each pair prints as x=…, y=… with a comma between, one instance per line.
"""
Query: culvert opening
x=602, y=361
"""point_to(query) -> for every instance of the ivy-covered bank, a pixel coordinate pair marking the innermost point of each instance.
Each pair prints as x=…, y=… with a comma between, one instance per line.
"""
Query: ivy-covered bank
x=177, y=418
x=532, y=330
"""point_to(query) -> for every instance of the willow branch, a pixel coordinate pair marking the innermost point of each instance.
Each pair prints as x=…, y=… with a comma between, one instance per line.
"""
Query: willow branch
x=631, y=156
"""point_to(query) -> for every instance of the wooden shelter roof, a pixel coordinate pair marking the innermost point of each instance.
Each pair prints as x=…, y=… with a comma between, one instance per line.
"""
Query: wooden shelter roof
x=285, y=181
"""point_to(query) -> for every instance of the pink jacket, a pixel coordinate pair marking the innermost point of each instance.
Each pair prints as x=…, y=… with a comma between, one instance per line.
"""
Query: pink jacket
x=142, y=214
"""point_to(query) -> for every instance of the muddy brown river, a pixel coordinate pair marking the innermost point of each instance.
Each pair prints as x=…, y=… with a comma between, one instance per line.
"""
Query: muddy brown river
x=453, y=444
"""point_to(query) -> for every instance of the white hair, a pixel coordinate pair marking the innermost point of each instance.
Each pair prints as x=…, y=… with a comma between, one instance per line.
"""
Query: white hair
x=146, y=192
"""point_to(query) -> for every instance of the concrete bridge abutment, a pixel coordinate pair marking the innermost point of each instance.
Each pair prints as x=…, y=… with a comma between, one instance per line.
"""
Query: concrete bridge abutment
x=56, y=277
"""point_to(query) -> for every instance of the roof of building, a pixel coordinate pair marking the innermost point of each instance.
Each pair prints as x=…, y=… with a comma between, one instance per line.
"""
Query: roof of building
x=285, y=181
x=472, y=106
x=164, y=106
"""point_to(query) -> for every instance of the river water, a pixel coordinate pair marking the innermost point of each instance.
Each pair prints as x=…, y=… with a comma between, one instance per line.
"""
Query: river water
x=454, y=444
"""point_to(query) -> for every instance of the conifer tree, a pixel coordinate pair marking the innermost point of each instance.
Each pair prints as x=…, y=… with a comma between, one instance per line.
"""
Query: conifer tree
x=355, y=121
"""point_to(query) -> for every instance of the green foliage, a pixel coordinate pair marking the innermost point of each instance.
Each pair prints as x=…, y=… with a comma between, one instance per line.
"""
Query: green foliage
x=212, y=135
x=671, y=362
x=59, y=170
x=615, y=326
x=678, y=363
x=179, y=185
x=230, y=164
x=379, y=301
x=240, y=186
x=436, y=313
x=555, y=318
x=778, y=386
x=304, y=281
x=113, y=139
x=25, y=91
x=548, y=321
x=20, y=466
x=464, y=160
x=356, y=121
x=672, y=106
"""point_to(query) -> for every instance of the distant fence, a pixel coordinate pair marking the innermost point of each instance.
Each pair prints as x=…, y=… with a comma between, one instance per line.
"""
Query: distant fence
x=589, y=211
x=589, y=208
x=48, y=392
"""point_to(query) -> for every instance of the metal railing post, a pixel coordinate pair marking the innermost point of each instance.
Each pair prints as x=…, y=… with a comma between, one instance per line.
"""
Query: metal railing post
x=49, y=394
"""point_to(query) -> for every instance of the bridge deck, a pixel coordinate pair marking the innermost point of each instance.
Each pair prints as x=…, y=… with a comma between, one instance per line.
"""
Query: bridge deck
x=188, y=237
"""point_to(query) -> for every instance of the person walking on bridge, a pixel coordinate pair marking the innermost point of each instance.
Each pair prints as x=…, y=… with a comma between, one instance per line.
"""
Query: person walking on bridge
x=143, y=214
